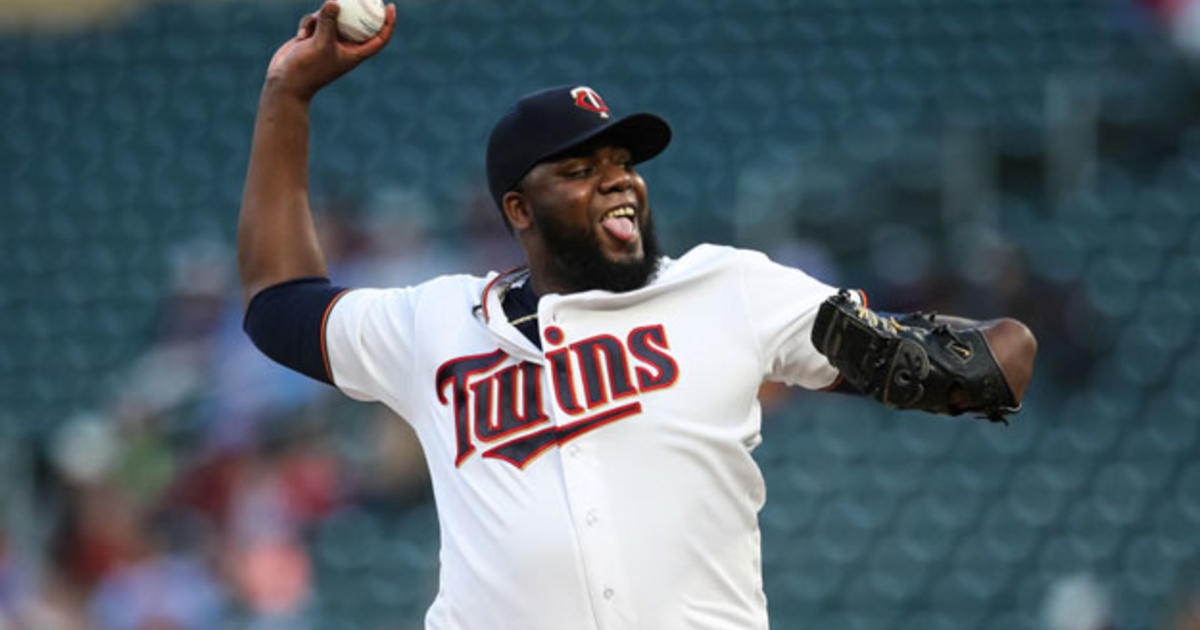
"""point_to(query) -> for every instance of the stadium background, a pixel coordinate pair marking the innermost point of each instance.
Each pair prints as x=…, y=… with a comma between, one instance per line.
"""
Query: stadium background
x=1038, y=158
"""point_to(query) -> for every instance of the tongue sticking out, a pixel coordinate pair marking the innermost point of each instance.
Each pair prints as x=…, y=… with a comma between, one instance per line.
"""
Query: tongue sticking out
x=621, y=228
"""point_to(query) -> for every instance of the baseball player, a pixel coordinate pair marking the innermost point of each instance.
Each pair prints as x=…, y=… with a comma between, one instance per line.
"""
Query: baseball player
x=587, y=418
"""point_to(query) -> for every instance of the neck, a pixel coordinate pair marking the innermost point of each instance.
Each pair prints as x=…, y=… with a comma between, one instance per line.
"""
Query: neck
x=544, y=275
x=544, y=282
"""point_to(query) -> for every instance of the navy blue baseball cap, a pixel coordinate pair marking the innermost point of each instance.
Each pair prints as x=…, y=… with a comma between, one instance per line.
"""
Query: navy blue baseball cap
x=549, y=123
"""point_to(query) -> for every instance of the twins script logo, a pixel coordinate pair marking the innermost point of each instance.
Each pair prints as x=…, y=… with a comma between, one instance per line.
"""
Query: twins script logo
x=590, y=100
x=500, y=409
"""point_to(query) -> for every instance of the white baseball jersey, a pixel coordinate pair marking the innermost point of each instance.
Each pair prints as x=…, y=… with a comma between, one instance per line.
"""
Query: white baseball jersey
x=603, y=482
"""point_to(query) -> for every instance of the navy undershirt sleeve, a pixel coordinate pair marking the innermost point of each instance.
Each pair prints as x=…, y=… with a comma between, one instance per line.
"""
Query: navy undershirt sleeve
x=285, y=322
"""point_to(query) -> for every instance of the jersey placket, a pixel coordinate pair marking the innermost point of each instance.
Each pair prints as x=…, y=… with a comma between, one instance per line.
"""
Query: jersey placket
x=582, y=473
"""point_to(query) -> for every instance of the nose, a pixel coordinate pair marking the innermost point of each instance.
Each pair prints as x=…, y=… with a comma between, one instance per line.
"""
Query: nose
x=616, y=178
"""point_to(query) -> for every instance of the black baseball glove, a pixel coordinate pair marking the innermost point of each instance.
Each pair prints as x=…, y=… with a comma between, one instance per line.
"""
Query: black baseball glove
x=911, y=361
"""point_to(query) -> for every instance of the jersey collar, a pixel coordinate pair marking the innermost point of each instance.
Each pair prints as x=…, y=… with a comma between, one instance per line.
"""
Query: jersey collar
x=491, y=301
x=491, y=310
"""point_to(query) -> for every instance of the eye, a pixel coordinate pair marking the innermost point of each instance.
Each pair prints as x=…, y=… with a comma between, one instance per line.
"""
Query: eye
x=578, y=172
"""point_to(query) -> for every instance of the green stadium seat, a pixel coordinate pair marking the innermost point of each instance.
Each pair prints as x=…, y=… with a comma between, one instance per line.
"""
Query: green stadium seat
x=1174, y=528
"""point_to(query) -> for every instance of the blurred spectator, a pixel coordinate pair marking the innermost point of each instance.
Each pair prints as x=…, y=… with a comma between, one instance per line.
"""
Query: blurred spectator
x=1077, y=602
x=23, y=605
x=1182, y=21
x=158, y=587
x=266, y=555
x=396, y=470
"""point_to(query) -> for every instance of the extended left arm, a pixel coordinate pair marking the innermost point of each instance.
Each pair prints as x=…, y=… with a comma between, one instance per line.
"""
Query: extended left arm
x=937, y=363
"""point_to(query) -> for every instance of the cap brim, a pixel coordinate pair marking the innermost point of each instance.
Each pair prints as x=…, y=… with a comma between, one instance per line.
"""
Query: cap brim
x=644, y=135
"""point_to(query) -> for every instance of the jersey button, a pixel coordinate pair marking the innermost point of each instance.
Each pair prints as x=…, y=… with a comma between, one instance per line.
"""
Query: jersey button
x=573, y=450
x=608, y=593
x=592, y=517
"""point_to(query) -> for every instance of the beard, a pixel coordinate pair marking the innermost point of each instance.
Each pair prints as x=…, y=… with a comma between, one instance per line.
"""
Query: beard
x=577, y=261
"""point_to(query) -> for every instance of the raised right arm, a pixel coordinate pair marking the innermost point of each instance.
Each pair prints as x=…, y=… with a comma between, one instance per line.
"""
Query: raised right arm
x=276, y=238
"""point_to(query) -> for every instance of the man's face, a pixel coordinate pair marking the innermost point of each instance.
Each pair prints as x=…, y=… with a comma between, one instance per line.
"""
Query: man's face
x=590, y=210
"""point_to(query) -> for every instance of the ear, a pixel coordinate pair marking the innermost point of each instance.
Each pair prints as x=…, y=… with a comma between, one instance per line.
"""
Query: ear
x=516, y=210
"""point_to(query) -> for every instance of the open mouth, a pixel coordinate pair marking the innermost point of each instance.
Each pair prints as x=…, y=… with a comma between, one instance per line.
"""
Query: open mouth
x=621, y=223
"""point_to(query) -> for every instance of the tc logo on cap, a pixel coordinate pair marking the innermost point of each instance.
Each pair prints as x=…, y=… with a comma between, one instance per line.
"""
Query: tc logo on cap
x=588, y=99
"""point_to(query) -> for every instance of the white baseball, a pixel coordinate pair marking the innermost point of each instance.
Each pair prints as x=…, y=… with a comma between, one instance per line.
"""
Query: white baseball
x=360, y=20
